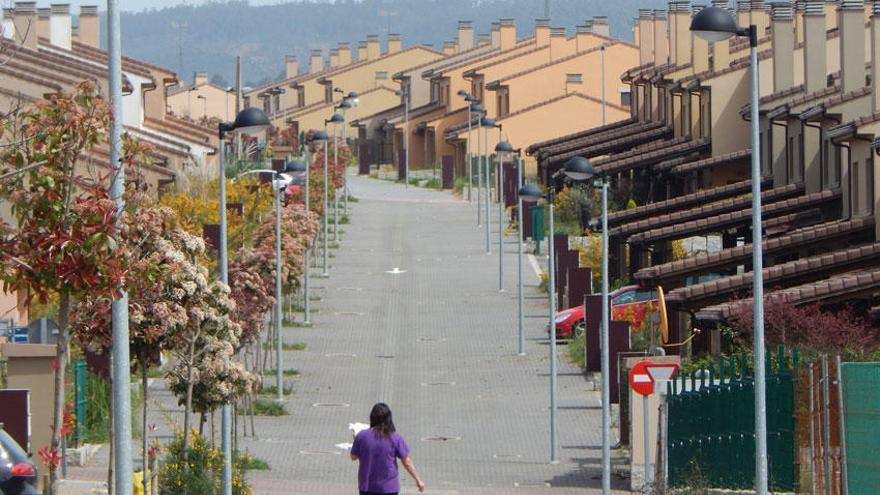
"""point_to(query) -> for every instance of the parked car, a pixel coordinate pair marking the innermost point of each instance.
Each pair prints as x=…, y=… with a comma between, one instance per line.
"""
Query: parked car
x=18, y=475
x=627, y=303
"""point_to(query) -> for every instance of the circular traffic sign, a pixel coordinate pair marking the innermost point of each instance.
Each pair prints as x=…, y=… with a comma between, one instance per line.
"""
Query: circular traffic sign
x=640, y=380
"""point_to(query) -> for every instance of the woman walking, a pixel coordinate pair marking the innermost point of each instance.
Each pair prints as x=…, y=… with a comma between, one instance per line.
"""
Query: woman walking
x=377, y=449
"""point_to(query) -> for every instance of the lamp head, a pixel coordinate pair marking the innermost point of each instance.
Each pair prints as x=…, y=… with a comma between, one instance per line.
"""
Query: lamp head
x=250, y=121
x=477, y=108
x=320, y=136
x=579, y=169
x=714, y=24
x=344, y=104
x=487, y=122
x=336, y=118
x=296, y=166
x=352, y=95
x=462, y=92
x=470, y=99
x=530, y=192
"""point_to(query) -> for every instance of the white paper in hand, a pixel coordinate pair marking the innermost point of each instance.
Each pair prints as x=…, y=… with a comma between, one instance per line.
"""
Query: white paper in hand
x=357, y=427
x=343, y=446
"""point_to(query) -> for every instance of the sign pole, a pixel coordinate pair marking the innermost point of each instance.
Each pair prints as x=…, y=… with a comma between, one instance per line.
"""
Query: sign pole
x=647, y=437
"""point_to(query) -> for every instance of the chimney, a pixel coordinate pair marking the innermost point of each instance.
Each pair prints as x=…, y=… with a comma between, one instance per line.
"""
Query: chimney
x=814, y=45
x=291, y=67
x=373, y=49
x=508, y=34
x=584, y=38
x=600, y=26
x=393, y=43
x=465, y=35
x=700, y=51
x=851, y=20
x=316, y=61
x=43, y=16
x=8, y=23
x=496, y=34
x=759, y=17
x=875, y=54
x=798, y=21
x=60, y=26
x=334, y=57
x=450, y=48
x=89, y=28
x=484, y=39
x=557, y=44
x=744, y=13
x=661, y=39
x=680, y=33
x=200, y=78
x=783, y=46
x=362, y=51
x=344, y=53
x=721, y=49
x=542, y=32
x=646, y=37
x=25, y=18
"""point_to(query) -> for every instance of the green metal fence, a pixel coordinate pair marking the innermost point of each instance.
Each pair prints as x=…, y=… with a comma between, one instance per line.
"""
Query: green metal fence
x=861, y=404
x=711, y=433
x=79, y=400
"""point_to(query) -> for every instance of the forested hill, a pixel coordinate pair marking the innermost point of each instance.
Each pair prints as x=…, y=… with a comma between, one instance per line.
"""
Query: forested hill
x=209, y=36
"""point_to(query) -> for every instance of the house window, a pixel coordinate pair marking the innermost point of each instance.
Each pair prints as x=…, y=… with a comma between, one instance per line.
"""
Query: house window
x=328, y=93
x=625, y=97
x=276, y=102
x=247, y=102
x=869, y=186
x=267, y=105
x=381, y=75
x=300, y=97
x=574, y=78
x=503, y=102
x=435, y=91
x=832, y=164
x=792, y=159
x=477, y=88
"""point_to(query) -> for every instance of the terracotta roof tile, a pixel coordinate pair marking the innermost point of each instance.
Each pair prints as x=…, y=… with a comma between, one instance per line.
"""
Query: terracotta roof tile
x=740, y=217
x=701, y=263
x=697, y=165
x=590, y=148
x=797, y=270
x=839, y=287
x=681, y=202
x=551, y=63
x=650, y=155
x=589, y=140
x=706, y=210
x=537, y=147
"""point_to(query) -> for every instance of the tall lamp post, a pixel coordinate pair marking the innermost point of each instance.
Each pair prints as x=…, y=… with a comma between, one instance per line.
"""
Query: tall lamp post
x=716, y=24
x=298, y=166
x=404, y=94
x=336, y=120
x=248, y=121
x=478, y=109
x=531, y=192
x=470, y=100
x=321, y=137
x=580, y=169
x=486, y=123
x=503, y=150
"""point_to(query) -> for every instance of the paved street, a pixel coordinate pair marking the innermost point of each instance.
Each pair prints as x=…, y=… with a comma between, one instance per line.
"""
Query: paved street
x=438, y=343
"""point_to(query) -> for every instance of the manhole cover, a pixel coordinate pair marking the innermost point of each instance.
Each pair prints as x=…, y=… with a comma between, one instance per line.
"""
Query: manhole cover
x=348, y=313
x=504, y=457
x=350, y=289
x=431, y=339
x=440, y=438
x=340, y=355
x=319, y=452
x=331, y=404
x=385, y=357
x=531, y=484
x=436, y=384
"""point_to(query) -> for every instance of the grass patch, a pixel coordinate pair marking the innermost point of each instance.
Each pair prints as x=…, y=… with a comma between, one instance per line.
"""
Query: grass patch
x=352, y=199
x=344, y=220
x=265, y=407
x=155, y=372
x=273, y=390
x=334, y=245
x=287, y=372
x=297, y=324
x=433, y=184
x=251, y=463
x=299, y=346
x=576, y=351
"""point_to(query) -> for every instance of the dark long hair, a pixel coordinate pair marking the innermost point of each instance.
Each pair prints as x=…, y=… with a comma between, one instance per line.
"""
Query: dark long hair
x=380, y=420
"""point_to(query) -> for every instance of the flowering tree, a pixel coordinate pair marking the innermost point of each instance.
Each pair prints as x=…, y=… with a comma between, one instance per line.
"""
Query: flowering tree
x=251, y=275
x=298, y=228
x=65, y=240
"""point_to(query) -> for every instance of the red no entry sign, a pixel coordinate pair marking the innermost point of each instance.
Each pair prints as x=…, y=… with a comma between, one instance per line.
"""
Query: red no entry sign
x=644, y=374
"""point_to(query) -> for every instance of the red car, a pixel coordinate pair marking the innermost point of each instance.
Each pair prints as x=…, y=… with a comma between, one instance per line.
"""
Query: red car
x=627, y=303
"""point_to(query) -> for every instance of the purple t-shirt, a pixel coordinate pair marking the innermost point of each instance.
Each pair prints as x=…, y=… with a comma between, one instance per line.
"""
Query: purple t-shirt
x=377, y=471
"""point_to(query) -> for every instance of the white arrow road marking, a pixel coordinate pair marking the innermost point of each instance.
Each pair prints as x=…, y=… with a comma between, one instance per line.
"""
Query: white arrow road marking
x=396, y=271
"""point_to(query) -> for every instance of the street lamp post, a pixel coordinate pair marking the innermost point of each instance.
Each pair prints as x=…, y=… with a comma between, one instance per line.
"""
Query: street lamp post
x=298, y=166
x=479, y=110
x=321, y=136
x=716, y=24
x=486, y=123
x=519, y=243
x=470, y=101
x=404, y=93
x=503, y=150
x=336, y=120
x=580, y=169
x=248, y=121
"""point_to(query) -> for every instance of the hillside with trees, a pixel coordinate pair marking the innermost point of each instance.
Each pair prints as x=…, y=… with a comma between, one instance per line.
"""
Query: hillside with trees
x=209, y=36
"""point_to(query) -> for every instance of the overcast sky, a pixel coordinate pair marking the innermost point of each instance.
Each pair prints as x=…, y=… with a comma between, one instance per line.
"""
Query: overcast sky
x=136, y=5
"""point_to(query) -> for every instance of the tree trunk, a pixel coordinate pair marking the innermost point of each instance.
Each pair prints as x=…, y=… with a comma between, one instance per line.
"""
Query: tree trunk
x=61, y=363
x=144, y=437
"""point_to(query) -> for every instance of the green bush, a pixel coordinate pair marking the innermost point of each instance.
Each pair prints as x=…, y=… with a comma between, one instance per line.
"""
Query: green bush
x=264, y=407
x=459, y=185
x=576, y=352
x=201, y=474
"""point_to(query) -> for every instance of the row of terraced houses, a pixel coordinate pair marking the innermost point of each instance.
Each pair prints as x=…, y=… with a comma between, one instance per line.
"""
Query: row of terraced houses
x=663, y=114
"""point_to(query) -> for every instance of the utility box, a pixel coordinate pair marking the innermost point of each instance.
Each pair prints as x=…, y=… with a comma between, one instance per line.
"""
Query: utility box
x=30, y=367
x=538, y=223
